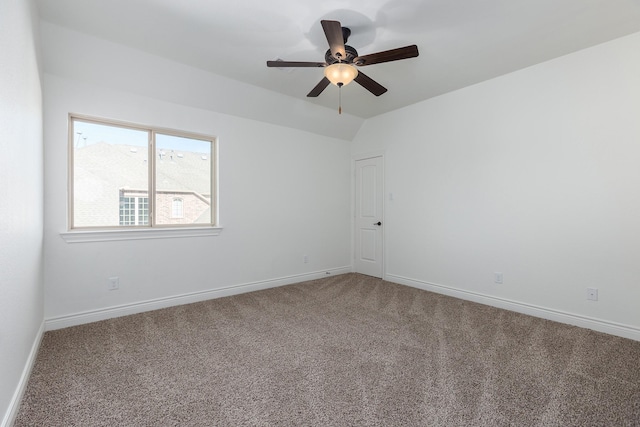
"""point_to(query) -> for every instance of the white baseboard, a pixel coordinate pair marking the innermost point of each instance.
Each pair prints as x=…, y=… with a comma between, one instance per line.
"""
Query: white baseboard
x=14, y=405
x=599, y=325
x=142, y=306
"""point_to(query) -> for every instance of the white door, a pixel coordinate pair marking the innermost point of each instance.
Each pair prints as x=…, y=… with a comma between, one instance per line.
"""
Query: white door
x=369, y=201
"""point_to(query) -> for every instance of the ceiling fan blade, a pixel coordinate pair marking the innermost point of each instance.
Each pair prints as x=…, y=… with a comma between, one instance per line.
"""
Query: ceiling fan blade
x=387, y=55
x=284, y=64
x=319, y=88
x=369, y=84
x=333, y=31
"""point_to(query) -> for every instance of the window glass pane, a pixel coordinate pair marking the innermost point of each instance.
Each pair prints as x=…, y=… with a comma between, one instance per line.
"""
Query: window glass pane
x=143, y=211
x=127, y=209
x=110, y=172
x=183, y=172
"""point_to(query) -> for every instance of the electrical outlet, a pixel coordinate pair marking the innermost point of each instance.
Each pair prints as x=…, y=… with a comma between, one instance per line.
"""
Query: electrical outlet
x=113, y=283
x=497, y=278
x=305, y=259
x=592, y=294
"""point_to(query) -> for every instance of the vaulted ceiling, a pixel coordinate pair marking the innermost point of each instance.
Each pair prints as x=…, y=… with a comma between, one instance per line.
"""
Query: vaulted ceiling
x=461, y=42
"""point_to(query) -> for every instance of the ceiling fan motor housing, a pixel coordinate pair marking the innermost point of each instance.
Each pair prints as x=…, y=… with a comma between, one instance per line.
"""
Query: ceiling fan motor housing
x=351, y=54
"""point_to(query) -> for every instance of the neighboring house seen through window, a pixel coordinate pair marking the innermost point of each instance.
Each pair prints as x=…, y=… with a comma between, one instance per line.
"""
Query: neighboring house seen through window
x=125, y=175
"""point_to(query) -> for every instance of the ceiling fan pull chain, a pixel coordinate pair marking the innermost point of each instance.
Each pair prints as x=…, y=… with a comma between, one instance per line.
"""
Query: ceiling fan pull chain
x=340, y=98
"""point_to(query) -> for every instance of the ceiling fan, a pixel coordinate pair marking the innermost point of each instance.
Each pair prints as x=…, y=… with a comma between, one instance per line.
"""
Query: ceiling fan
x=341, y=61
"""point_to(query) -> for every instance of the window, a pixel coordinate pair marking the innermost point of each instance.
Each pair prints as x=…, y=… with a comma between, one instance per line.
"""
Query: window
x=177, y=208
x=125, y=175
x=134, y=210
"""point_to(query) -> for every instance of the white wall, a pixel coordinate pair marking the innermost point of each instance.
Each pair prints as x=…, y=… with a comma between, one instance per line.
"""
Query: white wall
x=21, y=310
x=284, y=193
x=535, y=174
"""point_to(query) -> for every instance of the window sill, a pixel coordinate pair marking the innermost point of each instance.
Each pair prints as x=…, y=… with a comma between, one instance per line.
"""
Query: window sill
x=137, y=234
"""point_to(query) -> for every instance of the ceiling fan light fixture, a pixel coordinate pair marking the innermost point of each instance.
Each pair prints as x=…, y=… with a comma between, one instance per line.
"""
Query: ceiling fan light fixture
x=340, y=74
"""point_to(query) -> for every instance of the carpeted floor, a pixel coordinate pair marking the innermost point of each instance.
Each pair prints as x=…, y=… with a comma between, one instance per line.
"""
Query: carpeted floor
x=348, y=350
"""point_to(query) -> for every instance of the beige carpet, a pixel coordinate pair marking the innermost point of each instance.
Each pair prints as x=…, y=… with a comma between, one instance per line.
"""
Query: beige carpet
x=342, y=351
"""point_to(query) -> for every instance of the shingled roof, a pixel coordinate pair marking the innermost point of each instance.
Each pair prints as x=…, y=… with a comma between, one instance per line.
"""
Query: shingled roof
x=175, y=170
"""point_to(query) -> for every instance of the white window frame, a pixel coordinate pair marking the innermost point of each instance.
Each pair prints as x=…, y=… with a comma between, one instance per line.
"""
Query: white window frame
x=152, y=230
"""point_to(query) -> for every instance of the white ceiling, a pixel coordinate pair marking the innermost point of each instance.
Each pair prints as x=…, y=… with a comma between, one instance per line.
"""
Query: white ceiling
x=461, y=42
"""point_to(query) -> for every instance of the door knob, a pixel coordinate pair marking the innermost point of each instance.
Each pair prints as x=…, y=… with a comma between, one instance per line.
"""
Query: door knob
x=377, y=223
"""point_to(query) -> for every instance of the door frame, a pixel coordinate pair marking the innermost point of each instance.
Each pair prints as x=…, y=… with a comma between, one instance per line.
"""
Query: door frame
x=354, y=159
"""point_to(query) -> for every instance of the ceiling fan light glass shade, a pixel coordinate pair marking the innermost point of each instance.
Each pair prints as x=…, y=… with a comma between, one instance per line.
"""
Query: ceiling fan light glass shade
x=340, y=73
